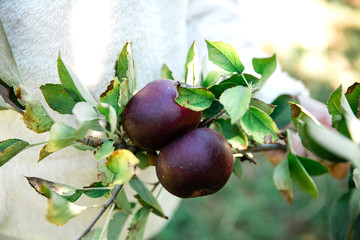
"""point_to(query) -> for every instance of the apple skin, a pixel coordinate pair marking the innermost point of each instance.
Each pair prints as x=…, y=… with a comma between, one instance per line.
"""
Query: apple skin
x=152, y=118
x=196, y=164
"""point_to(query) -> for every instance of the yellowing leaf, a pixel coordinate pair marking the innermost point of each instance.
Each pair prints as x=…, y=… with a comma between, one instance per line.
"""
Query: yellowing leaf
x=122, y=163
x=60, y=211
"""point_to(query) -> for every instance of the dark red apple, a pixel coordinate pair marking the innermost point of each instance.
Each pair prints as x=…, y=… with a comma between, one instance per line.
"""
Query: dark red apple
x=198, y=163
x=152, y=118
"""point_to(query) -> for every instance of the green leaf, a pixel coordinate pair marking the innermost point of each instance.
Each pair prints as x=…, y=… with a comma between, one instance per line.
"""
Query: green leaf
x=144, y=160
x=60, y=211
x=69, y=192
x=93, y=234
x=233, y=134
x=283, y=181
x=312, y=167
x=112, y=95
x=340, y=217
x=138, y=224
x=224, y=56
x=192, y=66
x=353, y=97
x=194, y=98
x=239, y=80
x=35, y=116
x=328, y=144
x=9, y=73
x=105, y=150
x=301, y=178
x=93, y=192
x=10, y=148
x=116, y=224
x=258, y=124
x=218, y=89
x=356, y=228
x=122, y=202
x=267, y=108
x=166, y=73
x=282, y=112
x=265, y=66
x=211, y=78
x=237, y=170
x=236, y=101
x=338, y=107
x=122, y=163
x=71, y=83
x=145, y=195
x=125, y=68
x=110, y=115
x=57, y=98
x=61, y=136
x=214, y=109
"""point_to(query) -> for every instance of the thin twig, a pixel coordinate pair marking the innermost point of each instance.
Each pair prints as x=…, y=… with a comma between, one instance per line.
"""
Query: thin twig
x=266, y=147
x=106, y=205
x=213, y=118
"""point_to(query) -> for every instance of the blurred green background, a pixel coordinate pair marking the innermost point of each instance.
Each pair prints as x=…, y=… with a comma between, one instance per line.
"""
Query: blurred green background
x=318, y=42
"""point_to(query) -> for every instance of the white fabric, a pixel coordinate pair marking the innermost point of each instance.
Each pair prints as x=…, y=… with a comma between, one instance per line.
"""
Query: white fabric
x=90, y=35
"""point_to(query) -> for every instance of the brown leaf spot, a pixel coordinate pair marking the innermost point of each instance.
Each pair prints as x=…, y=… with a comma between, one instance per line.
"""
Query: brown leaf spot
x=287, y=196
x=108, y=89
x=295, y=111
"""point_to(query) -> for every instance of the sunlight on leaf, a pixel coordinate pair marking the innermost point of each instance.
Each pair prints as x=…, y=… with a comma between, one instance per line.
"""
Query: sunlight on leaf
x=224, y=56
x=236, y=101
x=72, y=84
x=60, y=211
x=192, y=70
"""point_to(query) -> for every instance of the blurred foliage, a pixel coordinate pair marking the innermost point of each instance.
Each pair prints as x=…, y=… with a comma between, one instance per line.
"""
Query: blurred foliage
x=252, y=208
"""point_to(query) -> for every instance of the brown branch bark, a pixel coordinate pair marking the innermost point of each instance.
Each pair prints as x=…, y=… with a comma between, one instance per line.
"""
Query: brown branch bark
x=102, y=211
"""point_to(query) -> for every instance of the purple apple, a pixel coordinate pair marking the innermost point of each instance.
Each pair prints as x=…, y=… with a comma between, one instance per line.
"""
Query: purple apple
x=198, y=163
x=152, y=118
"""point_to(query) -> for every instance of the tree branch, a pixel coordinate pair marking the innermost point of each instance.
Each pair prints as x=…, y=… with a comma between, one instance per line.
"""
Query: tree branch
x=266, y=147
x=102, y=211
